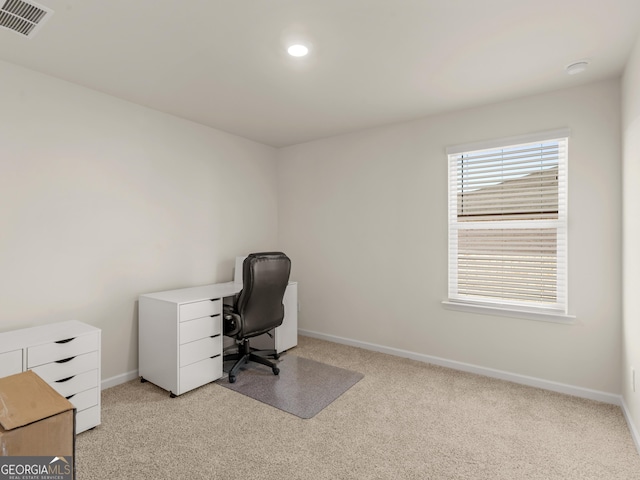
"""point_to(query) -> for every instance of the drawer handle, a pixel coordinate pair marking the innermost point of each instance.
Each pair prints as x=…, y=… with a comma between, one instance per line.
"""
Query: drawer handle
x=66, y=340
x=70, y=396
x=65, y=360
x=65, y=379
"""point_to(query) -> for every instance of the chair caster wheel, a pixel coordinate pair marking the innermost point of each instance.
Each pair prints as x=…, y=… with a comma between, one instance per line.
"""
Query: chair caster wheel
x=275, y=370
x=232, y=379
x=143, y=380
x=276, y=356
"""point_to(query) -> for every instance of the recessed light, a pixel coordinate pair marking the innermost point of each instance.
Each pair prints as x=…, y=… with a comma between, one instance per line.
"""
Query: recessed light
x=577, y=67
x=297, y=50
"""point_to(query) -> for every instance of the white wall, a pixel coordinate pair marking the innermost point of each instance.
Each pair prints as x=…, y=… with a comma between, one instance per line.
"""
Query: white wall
x=364, y=218
x=631, y=235
x=102, y=200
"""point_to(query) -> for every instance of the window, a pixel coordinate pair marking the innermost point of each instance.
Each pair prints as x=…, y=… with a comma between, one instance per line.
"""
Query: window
x=508, y=224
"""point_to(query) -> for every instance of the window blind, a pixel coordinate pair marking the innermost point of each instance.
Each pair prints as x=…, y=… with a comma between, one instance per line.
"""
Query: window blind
x=507, y=225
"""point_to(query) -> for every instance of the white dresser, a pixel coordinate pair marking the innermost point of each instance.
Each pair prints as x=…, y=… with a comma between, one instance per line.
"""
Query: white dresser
x=67, y=356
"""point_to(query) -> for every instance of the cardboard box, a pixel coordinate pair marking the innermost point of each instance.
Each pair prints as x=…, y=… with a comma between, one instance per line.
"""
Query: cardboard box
x=35, y=420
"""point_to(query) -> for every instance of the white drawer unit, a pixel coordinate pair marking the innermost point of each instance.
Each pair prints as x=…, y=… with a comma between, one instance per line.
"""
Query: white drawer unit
x=86, y=399
x=10, y=363
x=67, y=356
x=61, y=369
x=193, y=352
x=70, y=386
x=200, y=373
x=180, y=336
x=88, y=418
x=64, y=349
x=206, y=308
x=200, y=328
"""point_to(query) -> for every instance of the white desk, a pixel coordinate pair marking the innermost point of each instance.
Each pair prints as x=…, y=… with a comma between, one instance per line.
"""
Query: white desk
x=180, y=334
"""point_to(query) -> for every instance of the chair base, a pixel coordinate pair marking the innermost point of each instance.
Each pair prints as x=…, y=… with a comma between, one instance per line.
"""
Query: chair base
x=247, y=354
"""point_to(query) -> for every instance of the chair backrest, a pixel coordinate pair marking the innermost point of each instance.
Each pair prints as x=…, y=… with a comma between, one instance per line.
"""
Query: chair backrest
x=265, y=277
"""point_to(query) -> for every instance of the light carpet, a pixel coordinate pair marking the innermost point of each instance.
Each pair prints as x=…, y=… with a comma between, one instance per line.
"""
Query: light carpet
x=404, y=420
x=303, y=388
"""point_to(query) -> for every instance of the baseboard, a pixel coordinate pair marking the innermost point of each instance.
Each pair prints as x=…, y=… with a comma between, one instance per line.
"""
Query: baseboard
x=466, y=367
x=443, y=362
x=118, y=379
x=632, y=427
x=493, y=373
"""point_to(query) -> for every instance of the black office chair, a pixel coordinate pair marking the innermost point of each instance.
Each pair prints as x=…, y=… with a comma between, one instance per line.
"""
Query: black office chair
x=257, y=308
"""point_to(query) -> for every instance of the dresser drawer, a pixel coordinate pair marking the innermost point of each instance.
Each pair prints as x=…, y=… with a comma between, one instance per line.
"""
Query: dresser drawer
x=78, y=383
x=87, y=419
x=68, y=367
x=200, y=328
x=189, y=311
x=200, y=350
x=10, y=363
x=199, y=373
x=84, y=400
x=62, y=349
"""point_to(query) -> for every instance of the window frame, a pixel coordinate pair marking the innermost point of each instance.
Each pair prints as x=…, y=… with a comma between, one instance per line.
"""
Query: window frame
x=495, y=306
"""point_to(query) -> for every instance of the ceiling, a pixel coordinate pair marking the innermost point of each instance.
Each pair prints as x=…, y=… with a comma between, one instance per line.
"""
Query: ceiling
x=223, y=63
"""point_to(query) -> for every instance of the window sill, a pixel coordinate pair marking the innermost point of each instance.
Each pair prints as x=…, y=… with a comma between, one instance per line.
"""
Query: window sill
x=511, y=312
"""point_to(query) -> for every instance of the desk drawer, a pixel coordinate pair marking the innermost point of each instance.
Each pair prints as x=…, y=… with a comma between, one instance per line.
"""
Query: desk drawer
x=10, y=363
x=189, y=311
x=62, y=349
x=78, y=383
x=200, y=328
x=200, y=349
x=84, y=400
x=199, y=373
x=68, y=367
x=87, y=419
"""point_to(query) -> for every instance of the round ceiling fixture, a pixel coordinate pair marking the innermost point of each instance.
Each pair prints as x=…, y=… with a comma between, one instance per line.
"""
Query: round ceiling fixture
x=577, y=67
x=297, y=50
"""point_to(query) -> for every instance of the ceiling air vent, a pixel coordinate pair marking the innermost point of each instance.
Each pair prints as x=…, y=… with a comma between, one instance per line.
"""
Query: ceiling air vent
x=25, y=18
